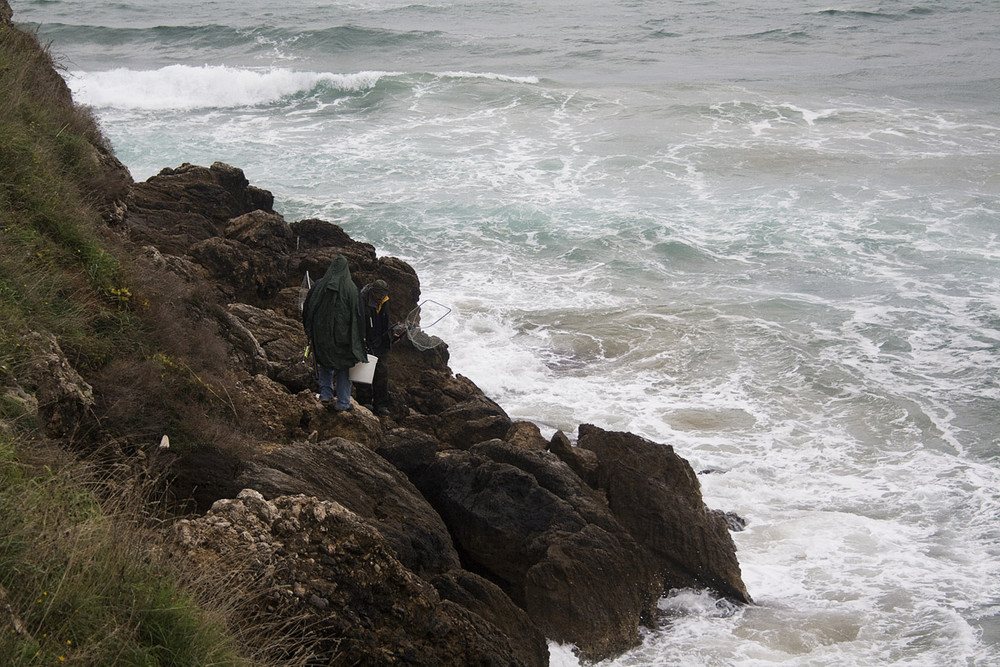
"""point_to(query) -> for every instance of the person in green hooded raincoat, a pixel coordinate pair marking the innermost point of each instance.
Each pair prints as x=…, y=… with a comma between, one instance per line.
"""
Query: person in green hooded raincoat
x=335, y=332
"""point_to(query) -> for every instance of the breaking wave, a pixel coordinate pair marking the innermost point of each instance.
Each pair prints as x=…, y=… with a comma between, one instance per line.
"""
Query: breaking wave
x=183, y=87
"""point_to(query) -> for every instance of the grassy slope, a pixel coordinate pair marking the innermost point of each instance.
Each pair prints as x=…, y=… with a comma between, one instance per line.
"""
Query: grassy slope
x=78, y=583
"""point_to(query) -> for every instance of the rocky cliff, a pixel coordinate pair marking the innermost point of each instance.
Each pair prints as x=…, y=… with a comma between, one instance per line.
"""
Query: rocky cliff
x=443, y=533
x=498, y=535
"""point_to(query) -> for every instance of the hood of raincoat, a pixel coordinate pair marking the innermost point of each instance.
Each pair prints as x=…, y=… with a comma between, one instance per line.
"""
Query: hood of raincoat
x=331, y=320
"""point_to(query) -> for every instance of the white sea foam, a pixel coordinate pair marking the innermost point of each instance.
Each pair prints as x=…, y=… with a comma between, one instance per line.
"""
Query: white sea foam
x=181, y=87
x=489, y=76
x=563, y=655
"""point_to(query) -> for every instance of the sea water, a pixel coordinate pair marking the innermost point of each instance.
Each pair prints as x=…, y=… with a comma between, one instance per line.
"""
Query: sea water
x=765, y=233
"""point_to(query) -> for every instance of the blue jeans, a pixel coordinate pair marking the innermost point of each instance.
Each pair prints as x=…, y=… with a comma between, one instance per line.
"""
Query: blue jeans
x=327, y=377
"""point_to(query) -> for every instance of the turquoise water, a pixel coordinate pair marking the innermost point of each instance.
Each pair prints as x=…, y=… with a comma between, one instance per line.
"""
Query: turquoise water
x=764, y=234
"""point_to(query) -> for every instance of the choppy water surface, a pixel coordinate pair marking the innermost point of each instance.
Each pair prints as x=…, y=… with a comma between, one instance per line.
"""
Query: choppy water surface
x=764, y=234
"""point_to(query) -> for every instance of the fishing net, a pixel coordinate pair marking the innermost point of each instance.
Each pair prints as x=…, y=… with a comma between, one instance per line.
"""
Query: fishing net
x=423, y=317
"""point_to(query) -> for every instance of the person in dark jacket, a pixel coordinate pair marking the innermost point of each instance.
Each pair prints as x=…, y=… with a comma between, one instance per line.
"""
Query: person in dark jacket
x=335, y=332
x=378, y=340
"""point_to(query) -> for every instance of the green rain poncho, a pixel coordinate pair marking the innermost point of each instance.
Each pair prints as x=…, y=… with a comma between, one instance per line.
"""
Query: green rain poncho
x=330, y=317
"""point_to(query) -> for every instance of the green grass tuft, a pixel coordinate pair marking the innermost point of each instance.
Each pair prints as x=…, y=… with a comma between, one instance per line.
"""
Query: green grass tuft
x=79, y=584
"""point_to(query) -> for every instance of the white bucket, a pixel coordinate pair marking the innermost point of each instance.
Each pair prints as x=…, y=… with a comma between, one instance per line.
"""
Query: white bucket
x=362, y=372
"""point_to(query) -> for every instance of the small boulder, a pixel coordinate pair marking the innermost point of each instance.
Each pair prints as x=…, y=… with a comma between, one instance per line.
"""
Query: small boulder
x=582, y=461
x=525, y=435
x=471, y=421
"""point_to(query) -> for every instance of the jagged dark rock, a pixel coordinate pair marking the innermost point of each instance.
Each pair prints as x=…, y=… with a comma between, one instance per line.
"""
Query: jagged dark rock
x=524, y=538
x=336, y=580
x=473, y=420
x=489, y=602
x=263, y=230
x=242, y=273
x=366, y=484
x=273, y=344
x=523, y=519
x=525, y=435
x=179, y=207
x=656, y=495
x=582, y=461
x=734, y=521
x=410, y=450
